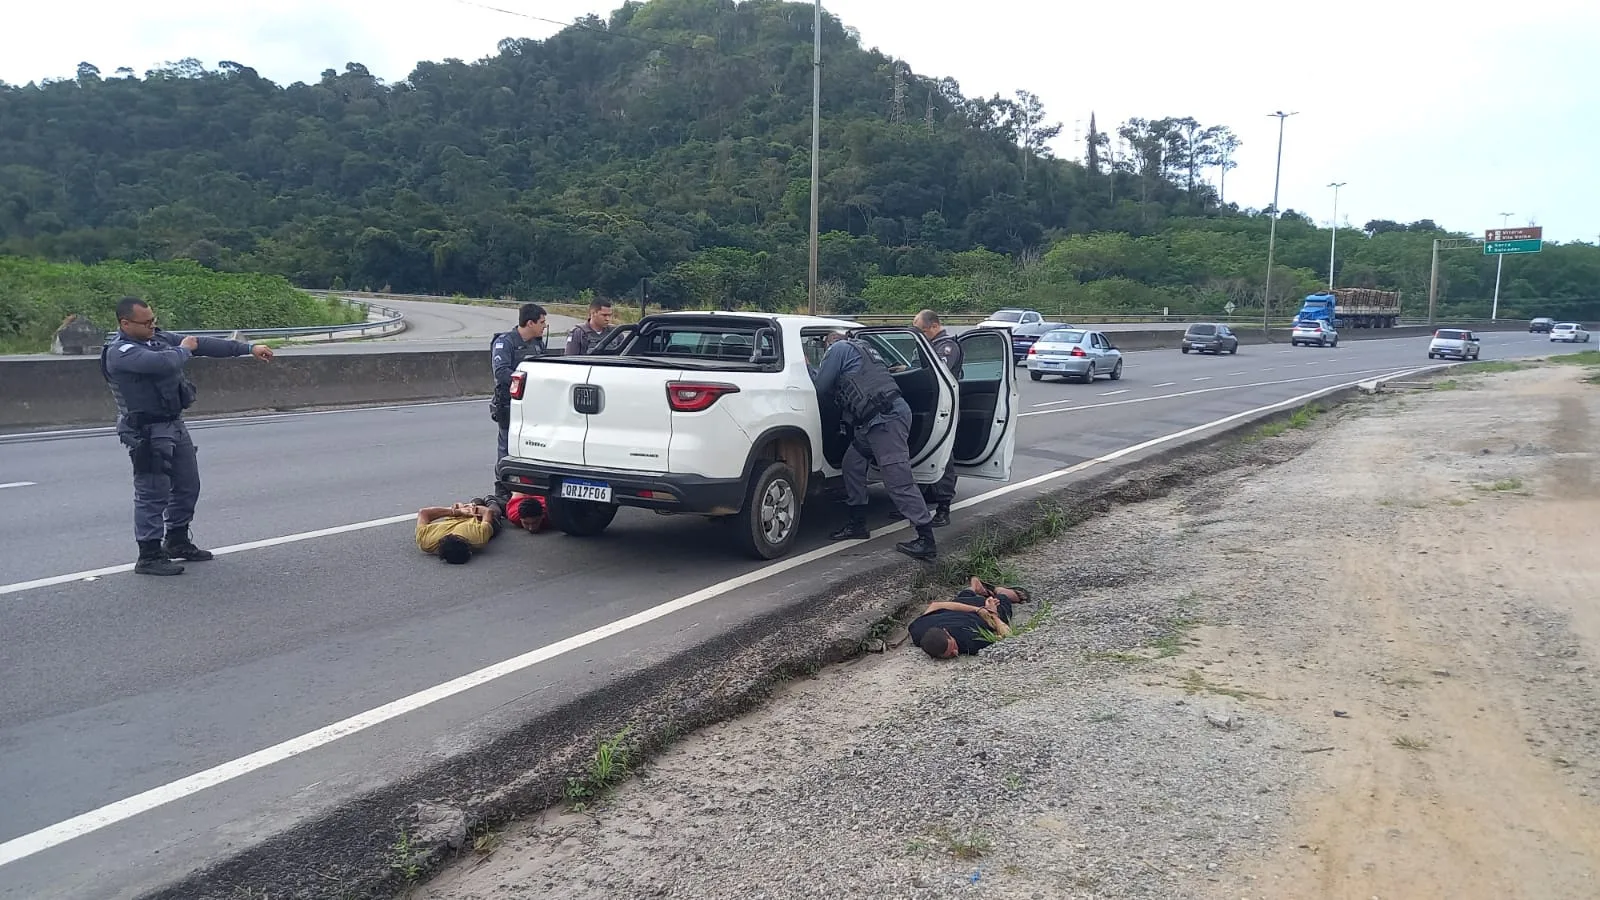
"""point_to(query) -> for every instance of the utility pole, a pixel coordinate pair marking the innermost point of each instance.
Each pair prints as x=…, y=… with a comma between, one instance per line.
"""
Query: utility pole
x=1433, y=283
x=1272, y=235
x=1333, y=241
x=816, y=145
x=1500, y=261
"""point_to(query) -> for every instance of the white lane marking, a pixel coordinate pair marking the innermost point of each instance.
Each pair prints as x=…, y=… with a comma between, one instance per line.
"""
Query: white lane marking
x=1196, y=391
x=1288, y=351
x=23, y=436
x=1234, y=374
x=11, y=484
x=1164, y=384
x=1269, y=368
x=1203, y=378
x=20, y=586
x=1054, y=402
x=1114, y=393
x=110, y=814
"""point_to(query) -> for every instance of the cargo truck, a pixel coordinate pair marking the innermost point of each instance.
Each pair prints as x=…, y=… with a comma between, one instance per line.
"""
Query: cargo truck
x=1352, y=308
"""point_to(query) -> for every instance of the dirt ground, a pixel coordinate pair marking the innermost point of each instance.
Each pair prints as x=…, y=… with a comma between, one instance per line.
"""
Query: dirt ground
x=1361, y=666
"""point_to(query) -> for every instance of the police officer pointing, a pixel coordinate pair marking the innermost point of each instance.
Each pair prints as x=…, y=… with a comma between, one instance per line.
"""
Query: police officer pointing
x=144, y=367
x=510, y=348
x=856, y=378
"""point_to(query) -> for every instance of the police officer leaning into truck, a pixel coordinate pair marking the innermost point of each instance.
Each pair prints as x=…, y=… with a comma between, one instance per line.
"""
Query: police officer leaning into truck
x=508, y=350
x=855, y=377
x=942, y=492
x=144, y=367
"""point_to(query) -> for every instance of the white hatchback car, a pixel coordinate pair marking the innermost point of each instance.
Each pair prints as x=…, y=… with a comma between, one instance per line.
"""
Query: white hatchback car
x=1316, y=332
x=1571, y=332
x=1456, y=342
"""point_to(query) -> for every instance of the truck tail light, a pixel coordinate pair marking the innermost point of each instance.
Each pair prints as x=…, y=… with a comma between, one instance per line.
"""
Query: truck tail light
x=519, y=380
x=696, y=396
x=1078, y=351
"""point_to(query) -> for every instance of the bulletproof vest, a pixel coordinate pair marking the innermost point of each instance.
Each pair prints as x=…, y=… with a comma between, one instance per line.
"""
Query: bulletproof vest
x=146, y=398
x=867, y=391
x=945, y=339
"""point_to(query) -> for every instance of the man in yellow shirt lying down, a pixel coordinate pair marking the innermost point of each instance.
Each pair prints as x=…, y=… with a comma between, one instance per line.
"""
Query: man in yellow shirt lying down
x=455, y=532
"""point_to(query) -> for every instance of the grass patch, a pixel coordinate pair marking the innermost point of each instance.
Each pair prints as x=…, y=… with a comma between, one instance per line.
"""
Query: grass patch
x=986, y=556
x=1300, y=418
x=1489, y=367
x=1448, y=385
x=609, y=765
x=1196, y=683
x=1407, y=742
x=1504, y=485
x=403, y=857
x=970, y=846
x=1581, y=358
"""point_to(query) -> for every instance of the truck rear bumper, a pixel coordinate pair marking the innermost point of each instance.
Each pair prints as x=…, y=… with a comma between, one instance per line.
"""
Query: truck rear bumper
x=643, y=490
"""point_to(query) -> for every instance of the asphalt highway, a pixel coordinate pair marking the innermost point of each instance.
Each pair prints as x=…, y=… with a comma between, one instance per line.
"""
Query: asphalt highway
x=117, y=684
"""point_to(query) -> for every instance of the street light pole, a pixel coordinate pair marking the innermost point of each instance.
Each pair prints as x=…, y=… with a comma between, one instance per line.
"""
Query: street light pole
x=816, y=144
x=1499, y=263
x=1272, y=234
x=1335, y=239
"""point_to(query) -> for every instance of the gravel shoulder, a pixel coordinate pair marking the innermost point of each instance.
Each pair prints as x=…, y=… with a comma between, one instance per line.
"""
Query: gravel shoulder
x=1360, y=664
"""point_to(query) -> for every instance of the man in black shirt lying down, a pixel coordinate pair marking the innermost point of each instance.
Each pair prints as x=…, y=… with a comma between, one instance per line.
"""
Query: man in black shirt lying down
x=948, y=628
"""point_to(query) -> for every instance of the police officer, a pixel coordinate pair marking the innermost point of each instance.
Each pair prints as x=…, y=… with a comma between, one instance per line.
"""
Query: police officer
x=144, y=367
x=854, y=377
x=509, y=349
x=586, y=334
x=943, y=491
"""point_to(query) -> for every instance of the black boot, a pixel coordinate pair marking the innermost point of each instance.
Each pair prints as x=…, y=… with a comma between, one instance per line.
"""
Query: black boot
x=154, y=561
x=921, y=548
x=179, y=546
x=855, y=529
x=941, y=516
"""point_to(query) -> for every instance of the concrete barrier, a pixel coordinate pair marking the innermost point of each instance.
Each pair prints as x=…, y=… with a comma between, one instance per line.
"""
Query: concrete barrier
x=67, y=392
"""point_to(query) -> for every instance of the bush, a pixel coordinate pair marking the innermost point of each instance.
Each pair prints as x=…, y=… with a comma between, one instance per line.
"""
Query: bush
x=37, y=296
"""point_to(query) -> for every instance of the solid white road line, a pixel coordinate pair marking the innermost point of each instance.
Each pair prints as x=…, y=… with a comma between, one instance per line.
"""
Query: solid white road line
x=1195, y=391
x=219, y=551
x=11, y=484
x=77, y=826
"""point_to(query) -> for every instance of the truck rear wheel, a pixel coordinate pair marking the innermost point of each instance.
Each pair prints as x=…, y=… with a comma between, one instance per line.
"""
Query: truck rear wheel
x=770, y=520
x=578, y=518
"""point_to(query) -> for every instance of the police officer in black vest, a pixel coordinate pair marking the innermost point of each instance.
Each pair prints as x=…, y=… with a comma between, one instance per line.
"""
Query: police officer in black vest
x=942, y=492
x=508, y=350
x=856, y=378
x=144, y=367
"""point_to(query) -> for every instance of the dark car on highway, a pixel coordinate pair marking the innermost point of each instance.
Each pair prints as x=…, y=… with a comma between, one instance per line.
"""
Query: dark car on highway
x=1212, y=337
x=1024, y=336
x=1541, y=324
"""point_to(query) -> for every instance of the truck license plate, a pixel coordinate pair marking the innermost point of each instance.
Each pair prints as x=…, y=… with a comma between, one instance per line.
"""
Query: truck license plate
x=593, y=491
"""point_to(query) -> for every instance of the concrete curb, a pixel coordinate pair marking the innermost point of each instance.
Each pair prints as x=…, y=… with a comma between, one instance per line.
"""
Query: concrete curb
x=523, y=766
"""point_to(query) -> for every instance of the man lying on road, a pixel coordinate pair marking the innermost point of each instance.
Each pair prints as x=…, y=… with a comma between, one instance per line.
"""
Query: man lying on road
x=948, y=628
x=457, y=531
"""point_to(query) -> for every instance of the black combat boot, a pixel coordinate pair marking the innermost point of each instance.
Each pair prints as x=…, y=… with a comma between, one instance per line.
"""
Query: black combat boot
x=179, y=546
x=921, y=548
x=854, y=529
x=154, y=561
x=941, y=516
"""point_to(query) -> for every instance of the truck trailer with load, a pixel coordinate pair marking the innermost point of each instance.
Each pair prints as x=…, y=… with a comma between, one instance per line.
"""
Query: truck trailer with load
x=1352, y=308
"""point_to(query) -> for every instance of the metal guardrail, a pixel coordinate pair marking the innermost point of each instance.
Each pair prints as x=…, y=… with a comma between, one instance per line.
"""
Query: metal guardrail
x=393, y=321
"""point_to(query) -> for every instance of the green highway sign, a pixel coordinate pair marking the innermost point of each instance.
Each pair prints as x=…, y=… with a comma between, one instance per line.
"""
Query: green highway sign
x=1492, y=248
x=1499, y=241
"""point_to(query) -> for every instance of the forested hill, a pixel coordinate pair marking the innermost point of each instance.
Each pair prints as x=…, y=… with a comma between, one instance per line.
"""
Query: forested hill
x=670, y=142
x=616, y=149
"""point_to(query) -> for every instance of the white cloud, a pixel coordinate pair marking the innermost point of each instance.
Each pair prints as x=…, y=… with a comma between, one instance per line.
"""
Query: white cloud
x=1454, y=117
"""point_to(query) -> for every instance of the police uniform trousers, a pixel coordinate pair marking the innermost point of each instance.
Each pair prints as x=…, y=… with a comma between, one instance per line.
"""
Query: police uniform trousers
x=164, y=500
x=885, y=441
x=505, y=441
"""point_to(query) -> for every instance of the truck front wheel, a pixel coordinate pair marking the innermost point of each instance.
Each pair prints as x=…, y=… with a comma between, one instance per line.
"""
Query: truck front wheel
x=771, y=518
x=579, y=518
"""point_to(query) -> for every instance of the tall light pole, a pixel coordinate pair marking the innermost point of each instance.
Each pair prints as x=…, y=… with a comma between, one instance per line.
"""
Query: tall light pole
x=1272, y=235
x=1499, y=263
x=1333, y=241
x=816, y=145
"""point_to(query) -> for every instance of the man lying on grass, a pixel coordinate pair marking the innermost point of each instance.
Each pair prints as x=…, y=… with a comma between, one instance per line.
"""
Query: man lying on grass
x=978, y=616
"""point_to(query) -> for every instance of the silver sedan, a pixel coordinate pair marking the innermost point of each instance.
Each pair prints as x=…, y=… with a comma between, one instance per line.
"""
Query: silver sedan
x=1074, y=353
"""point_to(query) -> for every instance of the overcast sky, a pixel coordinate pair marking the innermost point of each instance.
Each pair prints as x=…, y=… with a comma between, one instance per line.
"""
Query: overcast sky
x=1425, y=110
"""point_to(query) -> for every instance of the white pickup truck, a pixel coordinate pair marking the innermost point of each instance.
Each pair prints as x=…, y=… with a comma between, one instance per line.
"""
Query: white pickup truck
x=714, y=414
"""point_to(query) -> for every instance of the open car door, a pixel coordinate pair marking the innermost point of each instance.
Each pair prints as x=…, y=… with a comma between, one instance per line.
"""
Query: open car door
x=986, y=429
x=930, y=391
